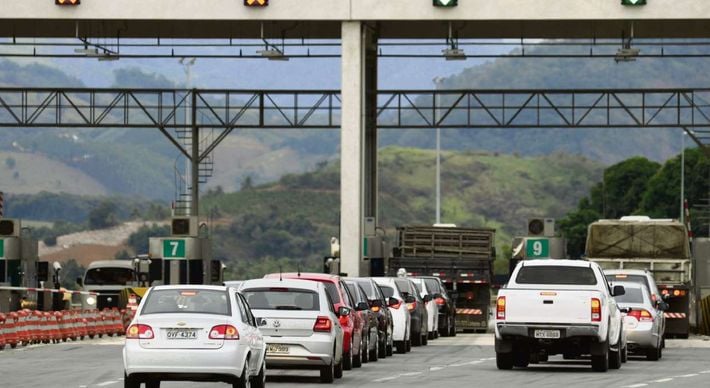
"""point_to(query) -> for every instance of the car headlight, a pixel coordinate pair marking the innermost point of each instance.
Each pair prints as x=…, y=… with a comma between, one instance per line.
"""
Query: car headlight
x=91, y=300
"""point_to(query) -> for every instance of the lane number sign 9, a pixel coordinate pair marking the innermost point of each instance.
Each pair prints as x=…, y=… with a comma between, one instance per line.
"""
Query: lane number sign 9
x=538, y=248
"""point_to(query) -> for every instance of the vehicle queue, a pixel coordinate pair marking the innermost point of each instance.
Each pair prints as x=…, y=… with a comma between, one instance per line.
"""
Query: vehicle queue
x=237, y=332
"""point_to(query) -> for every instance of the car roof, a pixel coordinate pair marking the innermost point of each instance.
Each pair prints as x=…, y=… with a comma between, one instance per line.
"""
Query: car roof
x=190, y=286
x=630, y=284
x=556, y=262
x=304, y=284
x=111, y=263
x=304, y=275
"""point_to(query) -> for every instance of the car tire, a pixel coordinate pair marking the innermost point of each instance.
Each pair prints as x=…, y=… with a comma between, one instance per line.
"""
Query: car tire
x=374, y=353
x=521, y=358
x=416, y=339
x=652, y=354
x=615, y=358
x=259, y=381
x=504, y=361
x=660, y=353
x=452, y=331
x=425, y=339
x=338, y=372
x=390, y=349
x=401, y=346
x=600, y=363
x=357, y=360
x=625, y=354
x=430, y=335
x=382, y=348
x=242, y=381
x=130, y=381
x=366, y=355
x=327, y=373
x=347, y=361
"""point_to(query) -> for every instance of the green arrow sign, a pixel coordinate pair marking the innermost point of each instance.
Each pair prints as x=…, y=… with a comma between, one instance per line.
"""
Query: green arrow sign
x=633, y=2
x=446, y=3
x=2, y=249
x=173, y=249
x=537, y=248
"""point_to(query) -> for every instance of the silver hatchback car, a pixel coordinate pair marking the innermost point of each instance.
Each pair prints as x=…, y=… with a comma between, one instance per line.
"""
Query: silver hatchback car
x=299, y=323
x=643, y=328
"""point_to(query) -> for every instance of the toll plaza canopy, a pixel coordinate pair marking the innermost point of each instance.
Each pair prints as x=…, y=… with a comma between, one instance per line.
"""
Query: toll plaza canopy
x=311, y=19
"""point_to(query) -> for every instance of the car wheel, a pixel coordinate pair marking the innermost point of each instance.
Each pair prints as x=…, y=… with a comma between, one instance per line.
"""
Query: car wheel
x=408, y=346
x=625, y=354
x=382, y=347
x=401, y=346
x=425, y=339
x=430, y=335
x=615, y=358
x=663, y=342
x=152, y=384
x=660, y=353
x=357, y=360
x=242, y=381
x=327, y=373
x=338, y=372
x=416, y=339
x=504, y=361
x=130, y=381
x=259, y=381
x=652, y=354
x=373, y=354
x=347, y=361
x=390, y=349
x=452, y=331
x=600, y=363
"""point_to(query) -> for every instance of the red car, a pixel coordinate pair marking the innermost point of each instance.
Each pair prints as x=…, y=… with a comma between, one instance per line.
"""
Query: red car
x=352, y=323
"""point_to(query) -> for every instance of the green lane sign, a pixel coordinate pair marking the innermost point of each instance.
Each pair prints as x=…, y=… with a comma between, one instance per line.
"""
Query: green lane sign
x=446, y=3
x=633, y=2
x=174, y=249
x=537, y=248
x=2, y=249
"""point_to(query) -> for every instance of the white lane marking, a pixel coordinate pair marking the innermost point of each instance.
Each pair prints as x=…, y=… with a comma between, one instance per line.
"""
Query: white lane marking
x=411, y=374
x=636, y=385
x=689, y=375
x=386, y=379
x=466, y=363
x=705, y=371
x=436, y=368
x=662, y=380
x=105, y=383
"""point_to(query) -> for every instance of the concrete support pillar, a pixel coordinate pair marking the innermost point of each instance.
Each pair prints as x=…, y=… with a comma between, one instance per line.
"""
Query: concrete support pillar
x=358, y=168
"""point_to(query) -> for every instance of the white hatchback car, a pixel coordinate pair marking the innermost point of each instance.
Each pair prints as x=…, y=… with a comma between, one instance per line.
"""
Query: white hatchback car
x=193, y=333
x=401, y=322
x=300, y=325
x=431, y=307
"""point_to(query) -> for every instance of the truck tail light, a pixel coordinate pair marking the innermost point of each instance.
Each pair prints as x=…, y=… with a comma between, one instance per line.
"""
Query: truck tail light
x=224, y=332
x=641, y=315
x=500, y=307
x=139, y=331
x=596, y=310
x=323, y=325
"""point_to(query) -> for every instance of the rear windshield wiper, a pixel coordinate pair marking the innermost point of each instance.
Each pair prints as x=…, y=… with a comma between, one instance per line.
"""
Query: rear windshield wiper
x=288, y=308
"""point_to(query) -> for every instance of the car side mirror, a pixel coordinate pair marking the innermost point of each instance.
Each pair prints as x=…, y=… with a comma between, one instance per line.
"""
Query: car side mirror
x=362, y=306
x=410, y=299
x=80, y=282
x=260, y=322
x=393, y=301
x=666, y=296
x=618, y=291
x=663, y=306
x=427, y=298
x=343, y=311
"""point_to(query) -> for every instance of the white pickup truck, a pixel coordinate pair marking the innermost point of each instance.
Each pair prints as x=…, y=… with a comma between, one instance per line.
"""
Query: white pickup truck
x=558, y=307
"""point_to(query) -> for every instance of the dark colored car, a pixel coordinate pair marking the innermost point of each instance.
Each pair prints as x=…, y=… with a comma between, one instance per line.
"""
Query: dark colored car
x=417, y=310
x=351, y=323
x=378, y=305
x=370, y=336
x=447, y=308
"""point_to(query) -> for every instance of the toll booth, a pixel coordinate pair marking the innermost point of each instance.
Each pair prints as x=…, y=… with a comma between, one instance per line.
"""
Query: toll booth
x=19, y=264
x=185, y=257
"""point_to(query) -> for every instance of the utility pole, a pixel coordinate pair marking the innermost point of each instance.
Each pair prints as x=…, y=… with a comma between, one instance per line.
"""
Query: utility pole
x=437, y=85
x=682, y=178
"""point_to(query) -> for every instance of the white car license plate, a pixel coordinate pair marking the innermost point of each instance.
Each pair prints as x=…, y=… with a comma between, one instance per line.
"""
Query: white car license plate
x=181, y=334
x=547, y=334
x=277, y=348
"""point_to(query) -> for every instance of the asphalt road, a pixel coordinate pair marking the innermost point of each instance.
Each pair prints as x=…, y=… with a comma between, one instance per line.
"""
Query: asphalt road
x=463, y=361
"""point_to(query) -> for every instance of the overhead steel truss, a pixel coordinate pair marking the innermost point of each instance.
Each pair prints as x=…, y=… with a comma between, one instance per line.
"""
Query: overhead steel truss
x=226, y=110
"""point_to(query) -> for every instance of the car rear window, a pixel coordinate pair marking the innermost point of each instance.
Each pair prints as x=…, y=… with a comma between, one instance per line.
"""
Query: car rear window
x=367, y=287
x=352, y=287
x=282, y=299
x=632, y=295
x=642, y=280
x=187, y=301
x=433, y=286
x=388, y=291
x=560, y=275
x=402, y=285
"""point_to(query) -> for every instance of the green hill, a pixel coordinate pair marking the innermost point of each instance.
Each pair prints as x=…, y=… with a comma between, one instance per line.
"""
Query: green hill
x=290, y=222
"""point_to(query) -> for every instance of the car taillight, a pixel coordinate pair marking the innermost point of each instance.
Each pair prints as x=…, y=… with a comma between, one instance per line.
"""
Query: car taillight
x=641, y=315
x=224, y=332
x=139, y=331
x=596, y=310
x=440, y=301
x=411, y=306
x=375, y=309
x=500, y=307
x=323, y=324
x=397, y=305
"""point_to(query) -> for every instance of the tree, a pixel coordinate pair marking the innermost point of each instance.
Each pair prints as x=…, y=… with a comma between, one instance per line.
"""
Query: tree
x=138, y=241
x=624, y=185
x=70, y=271
x=10, y=162
x=103, y=216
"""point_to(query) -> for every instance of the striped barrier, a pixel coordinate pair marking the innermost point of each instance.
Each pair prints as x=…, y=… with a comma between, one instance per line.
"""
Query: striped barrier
x=27, y=327
x=469, y=311
x=674, y=315
x=2, y=331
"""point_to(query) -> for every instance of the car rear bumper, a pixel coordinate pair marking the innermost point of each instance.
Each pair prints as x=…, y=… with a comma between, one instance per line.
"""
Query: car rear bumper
x=227, y=360
x=399, y=326
x=641, y=338
x=528, y=330
x=313, y=351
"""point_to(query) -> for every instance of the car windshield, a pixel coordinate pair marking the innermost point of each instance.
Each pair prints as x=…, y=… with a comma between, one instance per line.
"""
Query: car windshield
x=640, y=279
x=387, y=291
x=632, y=295
x=559, y=275
x=282, y=299
x=108, y=275
x=186, y=300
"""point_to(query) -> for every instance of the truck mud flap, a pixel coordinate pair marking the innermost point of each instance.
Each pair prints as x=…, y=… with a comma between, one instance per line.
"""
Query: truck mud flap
x=598, y=348
x=503, y=346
